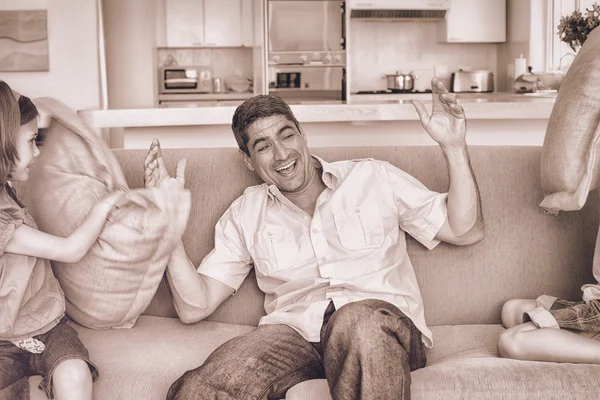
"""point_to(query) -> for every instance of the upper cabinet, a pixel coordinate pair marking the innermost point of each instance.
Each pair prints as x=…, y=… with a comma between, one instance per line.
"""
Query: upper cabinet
x=474, y=21
x=224, y=23
x=185, y=23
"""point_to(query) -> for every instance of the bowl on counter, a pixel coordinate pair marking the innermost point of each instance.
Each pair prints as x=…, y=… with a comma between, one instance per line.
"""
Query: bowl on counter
x=239, y=84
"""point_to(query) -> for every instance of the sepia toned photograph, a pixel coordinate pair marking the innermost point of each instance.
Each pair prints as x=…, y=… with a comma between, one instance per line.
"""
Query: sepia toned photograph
x=300, y=199
x=23, y=41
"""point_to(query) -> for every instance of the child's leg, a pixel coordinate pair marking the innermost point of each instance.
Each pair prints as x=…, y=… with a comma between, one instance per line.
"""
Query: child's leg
x=513, y=310
x=14, y=372
x=527, y=342
x=64, y=364
x=72, y=379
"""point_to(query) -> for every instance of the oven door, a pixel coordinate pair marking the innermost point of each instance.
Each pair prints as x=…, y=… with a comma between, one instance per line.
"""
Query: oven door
x=178, y=80
x=307, y=25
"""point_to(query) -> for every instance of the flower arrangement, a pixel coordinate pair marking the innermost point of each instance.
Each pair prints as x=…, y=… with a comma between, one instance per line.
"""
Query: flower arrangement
x=574, y=29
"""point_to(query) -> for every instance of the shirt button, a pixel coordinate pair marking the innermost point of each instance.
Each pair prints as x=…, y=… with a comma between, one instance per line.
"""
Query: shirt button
x=315, y=231
x=269, y=234
x=357, y=210
x=323, y=258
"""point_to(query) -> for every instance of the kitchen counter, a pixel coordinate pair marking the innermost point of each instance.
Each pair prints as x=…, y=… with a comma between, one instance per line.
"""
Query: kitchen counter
x=359, y=108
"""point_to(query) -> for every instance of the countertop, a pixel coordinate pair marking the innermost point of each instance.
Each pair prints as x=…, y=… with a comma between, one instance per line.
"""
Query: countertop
x=363, y=107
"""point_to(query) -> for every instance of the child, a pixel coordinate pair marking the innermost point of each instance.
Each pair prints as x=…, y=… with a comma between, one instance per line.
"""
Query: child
x=551, y=329
x=34, y=336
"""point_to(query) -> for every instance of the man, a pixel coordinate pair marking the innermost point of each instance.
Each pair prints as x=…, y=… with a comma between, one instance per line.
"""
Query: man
x=328, y=246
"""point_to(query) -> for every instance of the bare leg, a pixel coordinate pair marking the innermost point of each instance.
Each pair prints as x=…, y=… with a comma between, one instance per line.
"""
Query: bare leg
x=527, y=342
x=72, y=379
x=512, y=311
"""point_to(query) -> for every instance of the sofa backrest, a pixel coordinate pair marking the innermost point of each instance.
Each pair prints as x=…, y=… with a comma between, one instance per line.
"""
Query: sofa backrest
x=525, y=252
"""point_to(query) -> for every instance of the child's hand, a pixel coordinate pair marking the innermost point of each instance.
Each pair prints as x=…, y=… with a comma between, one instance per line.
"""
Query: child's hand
x=110, y=202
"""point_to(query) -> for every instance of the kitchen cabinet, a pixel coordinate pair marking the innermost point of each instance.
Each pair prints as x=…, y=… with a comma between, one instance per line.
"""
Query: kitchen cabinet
x=185, y=23
x=223, y=23
x=474, y=21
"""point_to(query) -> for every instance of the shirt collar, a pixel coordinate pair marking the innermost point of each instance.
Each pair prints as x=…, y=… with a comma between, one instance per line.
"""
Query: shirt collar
x=331, y=177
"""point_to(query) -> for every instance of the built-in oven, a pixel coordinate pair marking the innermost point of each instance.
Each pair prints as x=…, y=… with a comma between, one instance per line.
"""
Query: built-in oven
x=307, y=49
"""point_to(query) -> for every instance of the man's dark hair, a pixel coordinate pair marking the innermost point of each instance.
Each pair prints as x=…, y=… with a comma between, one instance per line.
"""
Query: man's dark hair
x=255, y=108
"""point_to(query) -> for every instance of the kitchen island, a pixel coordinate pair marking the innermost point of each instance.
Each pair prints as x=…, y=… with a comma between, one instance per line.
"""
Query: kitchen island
x=390, y=119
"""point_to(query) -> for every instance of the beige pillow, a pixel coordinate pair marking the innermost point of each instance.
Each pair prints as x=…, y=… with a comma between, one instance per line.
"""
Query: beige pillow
x=570, y=160
x=115, y=282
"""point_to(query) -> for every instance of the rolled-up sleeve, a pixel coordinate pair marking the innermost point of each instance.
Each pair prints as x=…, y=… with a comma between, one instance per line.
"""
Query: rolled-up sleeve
x=8, y=225
x=421, y=211
x=229, y=262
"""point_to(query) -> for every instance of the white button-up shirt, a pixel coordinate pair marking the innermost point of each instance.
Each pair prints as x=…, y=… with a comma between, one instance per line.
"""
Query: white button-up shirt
x=351, y=249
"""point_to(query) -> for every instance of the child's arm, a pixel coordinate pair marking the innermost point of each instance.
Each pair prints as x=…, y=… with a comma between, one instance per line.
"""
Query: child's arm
x=32, y=242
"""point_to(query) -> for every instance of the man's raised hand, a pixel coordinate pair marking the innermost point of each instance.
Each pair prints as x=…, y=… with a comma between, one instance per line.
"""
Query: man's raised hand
x=446, y=124
x=155, y=172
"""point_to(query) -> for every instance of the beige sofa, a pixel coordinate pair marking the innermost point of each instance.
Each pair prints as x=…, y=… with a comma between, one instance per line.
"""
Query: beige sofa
x=525, y=253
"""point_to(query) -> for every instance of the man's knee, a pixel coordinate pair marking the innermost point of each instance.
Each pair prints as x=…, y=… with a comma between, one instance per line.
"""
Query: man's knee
x=191, y=385
x=358, y=313
x=360, y=322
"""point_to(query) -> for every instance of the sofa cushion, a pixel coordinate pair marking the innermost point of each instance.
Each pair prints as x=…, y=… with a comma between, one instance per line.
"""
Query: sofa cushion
x=143, y=362
x=463, y=365
x=116, y=280
x=570, y=157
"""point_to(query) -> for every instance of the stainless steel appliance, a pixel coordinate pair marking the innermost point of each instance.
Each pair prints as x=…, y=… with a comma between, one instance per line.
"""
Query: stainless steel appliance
x=392, y=91
x=306, y=40
x=479, y=81
x=184, y=80
x=400, y=82
x=289, y=79
x=402, y=10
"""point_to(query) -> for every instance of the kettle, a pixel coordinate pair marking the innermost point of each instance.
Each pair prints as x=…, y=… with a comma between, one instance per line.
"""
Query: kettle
x=533, y=82
x=527, y=83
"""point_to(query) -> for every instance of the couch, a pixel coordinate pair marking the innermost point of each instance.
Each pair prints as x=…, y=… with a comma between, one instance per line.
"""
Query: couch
x=525, y=253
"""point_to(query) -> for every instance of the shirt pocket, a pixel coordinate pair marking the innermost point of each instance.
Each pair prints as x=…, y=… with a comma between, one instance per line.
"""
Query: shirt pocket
x=359, y=228
x=274, y=249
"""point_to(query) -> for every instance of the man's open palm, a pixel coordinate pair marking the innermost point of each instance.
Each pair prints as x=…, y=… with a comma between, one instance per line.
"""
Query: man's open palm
x=155, y=172
x=446, y=124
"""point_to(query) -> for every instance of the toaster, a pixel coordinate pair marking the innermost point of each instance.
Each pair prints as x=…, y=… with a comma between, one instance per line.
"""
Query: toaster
x=472, y=81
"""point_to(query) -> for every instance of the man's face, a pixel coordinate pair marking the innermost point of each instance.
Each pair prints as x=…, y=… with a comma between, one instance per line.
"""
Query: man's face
x=278, y=153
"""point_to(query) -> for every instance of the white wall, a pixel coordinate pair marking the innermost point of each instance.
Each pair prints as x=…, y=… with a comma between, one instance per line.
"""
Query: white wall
x=130, y=32
x=379, y=48
x=73, y=54
x=518, y=21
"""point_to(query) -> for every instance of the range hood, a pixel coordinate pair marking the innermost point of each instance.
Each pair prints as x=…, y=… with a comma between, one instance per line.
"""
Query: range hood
x=403, y=10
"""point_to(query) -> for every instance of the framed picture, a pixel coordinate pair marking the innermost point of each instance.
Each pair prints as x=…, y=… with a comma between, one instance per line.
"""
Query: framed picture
x=23, y=41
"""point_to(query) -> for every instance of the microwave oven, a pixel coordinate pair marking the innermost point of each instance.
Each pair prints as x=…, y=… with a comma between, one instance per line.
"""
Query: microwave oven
x=193, y=79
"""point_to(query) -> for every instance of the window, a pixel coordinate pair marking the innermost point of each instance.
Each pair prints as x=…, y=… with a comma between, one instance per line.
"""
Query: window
x=560, y=54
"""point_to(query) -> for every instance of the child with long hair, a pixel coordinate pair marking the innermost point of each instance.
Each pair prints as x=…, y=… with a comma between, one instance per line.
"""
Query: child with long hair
x=34, y=336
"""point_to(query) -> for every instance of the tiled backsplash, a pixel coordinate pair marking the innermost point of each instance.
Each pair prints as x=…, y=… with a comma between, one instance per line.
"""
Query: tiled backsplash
x=223, y=61
x=380, y=48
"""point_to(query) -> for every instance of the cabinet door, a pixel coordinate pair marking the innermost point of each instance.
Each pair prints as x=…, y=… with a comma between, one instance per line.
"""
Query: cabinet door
x=247, y=23
x=223, y=23
x=474, y=21
x=184, y=20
